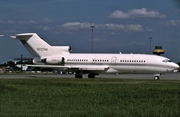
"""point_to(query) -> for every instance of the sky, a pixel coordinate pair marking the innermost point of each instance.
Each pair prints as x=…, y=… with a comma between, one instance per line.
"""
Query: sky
x=119, y=25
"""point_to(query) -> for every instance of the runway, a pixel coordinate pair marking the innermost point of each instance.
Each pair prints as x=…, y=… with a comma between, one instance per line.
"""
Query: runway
x=169, y=76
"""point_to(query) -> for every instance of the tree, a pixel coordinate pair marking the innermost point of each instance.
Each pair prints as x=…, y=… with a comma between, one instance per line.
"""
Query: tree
x=11, y=64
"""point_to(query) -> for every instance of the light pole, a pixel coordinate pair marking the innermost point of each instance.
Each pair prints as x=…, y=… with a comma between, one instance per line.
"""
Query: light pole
x=92, y=40
x=150, y=39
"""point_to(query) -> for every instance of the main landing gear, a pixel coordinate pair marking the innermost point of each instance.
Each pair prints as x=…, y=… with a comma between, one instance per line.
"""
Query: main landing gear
x=156, y=76
x=91, y=75
x=78, y=76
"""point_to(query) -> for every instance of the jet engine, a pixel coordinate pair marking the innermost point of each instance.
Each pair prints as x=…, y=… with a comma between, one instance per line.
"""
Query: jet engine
x=65, y=48
x=61, y=49
x=53, y=60
x=37, y=60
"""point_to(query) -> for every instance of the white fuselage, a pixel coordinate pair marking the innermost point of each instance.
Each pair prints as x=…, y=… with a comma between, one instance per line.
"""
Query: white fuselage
x=119, y=63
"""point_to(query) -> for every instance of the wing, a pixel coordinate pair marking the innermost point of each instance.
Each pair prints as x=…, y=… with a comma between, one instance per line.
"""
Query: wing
x=86, y=68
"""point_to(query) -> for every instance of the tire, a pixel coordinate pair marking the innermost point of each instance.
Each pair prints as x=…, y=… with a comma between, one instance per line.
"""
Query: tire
x=91, y=76
x=156, y=77
x=78, y=76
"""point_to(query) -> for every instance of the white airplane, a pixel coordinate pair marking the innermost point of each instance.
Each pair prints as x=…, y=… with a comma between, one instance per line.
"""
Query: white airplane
x=59, y=57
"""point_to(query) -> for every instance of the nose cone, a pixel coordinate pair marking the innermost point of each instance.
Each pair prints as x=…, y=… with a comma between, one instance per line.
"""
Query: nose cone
x=175, y=66
x=172, y=67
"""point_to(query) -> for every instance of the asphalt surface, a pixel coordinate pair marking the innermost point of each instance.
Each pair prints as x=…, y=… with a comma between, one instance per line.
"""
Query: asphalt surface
x=169, y=76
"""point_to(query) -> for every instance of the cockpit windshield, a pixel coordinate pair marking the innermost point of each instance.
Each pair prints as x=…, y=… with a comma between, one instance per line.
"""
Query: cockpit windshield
x=167, y=60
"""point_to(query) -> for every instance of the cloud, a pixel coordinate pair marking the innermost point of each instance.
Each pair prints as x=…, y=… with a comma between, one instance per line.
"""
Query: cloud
x=31, y=22
x=129, y=27
x=135, y=27
x=69, y=27
x=44, y=28
x=118, y=14
x=171, y=23
x=7, y=22
x=76, y=25
x=21, y=22
x=73, y=26
x=46, y=20
x=134, y=13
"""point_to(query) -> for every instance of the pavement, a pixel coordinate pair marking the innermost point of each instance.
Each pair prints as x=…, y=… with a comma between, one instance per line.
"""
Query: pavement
x=168, y=76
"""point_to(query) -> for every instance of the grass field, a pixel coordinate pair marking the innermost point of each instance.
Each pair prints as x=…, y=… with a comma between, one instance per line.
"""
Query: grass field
x=89, y=98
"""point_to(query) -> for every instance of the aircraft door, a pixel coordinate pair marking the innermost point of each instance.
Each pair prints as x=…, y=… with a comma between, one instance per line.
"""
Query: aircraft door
x=113, y=60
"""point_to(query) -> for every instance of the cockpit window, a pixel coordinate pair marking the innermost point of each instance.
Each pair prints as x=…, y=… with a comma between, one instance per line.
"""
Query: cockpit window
x=167, y=60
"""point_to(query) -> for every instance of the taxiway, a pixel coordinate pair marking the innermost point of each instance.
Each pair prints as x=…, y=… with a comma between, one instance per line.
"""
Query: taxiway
x=169, y=76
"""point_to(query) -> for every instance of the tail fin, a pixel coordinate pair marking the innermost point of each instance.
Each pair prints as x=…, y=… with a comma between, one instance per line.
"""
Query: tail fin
x=38, y=47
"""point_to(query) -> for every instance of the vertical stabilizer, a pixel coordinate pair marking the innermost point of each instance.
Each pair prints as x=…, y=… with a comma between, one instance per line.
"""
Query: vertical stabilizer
x=34, y=44
x=38, y=47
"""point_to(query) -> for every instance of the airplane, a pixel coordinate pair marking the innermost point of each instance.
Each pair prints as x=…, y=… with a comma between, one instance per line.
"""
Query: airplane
x=61, y=58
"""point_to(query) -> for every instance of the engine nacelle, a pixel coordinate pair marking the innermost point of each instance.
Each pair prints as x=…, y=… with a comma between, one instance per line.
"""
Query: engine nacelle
x=53, y=60
x=65, y=48
x=37, y=60
x=61, y=49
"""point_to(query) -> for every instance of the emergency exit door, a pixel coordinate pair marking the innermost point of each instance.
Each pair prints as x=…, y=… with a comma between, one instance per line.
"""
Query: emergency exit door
x=113, y=60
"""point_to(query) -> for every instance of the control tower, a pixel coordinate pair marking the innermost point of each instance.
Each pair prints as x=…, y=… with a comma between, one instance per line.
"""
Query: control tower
x=158, y=50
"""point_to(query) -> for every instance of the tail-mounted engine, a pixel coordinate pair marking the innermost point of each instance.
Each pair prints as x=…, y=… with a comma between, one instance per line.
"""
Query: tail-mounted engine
x=66, y=48
x=60, y=49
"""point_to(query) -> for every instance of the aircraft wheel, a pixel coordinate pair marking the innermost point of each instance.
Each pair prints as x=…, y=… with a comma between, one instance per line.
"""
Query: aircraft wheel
x=78, y=76
x=156, y=77
x=91, y=76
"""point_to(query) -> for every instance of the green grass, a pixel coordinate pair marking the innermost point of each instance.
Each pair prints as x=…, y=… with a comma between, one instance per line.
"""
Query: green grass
x=88, y=98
